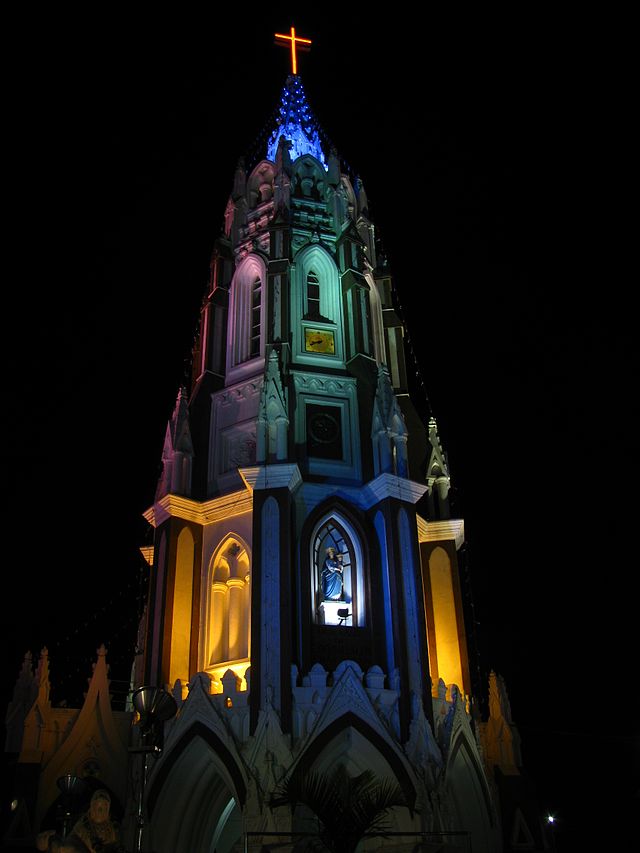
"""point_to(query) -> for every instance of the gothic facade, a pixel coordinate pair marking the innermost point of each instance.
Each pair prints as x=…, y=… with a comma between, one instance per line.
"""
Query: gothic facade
x=302, y=610
x=305, y=606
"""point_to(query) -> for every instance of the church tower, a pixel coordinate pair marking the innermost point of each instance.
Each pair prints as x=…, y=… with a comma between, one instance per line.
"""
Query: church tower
x=305, y=605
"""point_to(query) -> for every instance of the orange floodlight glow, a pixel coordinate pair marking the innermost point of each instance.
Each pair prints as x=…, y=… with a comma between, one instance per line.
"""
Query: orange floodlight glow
x=295, y=40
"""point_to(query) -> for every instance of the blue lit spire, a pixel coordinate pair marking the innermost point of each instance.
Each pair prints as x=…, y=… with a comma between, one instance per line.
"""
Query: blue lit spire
x=296, y=123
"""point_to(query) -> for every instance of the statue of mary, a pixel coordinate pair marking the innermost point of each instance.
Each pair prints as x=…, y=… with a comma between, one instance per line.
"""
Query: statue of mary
x=331, y=578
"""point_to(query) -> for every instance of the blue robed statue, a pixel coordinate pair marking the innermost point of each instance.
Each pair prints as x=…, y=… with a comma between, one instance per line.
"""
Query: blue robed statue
x=332, y=578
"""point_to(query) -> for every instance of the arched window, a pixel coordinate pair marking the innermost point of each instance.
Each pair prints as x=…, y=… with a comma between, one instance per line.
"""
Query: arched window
x=256, y=309
x=313, y=296
x=229, y=604
x=316, y=303
x=359, y=309
x=245, y=334
x=337, y=577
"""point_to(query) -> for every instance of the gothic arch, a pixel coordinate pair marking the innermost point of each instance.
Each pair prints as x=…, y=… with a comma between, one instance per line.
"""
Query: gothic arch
x=260, y=184
x=445, y=635
x=334, y=529
x=195, y=799
x=367, y=750
x=315, y=259
x=352, y=204
x=467, y=784
x=182, y=599
x=308, y=179
x=329, y=644
x=227, y=603
x=247, y=314
x=376, y=320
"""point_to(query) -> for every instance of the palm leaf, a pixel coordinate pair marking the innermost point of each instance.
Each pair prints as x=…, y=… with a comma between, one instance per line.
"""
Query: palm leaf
x=348, y=807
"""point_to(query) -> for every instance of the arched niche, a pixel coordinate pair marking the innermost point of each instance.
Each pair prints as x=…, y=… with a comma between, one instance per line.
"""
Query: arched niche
x=247, y=317
x=182, y=605
x=260, y=184
x=309, y=179
x=349, y=195
x=228, y=608
x=446, y=658
x=315, y=262
x=337, y=572
x=315, y=272
x=350, y=739
x=377, y=321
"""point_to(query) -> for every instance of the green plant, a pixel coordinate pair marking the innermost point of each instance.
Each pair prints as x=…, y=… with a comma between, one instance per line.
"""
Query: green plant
x=348, y=807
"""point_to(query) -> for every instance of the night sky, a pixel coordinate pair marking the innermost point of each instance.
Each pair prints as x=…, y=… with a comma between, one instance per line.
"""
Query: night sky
x=487, y=168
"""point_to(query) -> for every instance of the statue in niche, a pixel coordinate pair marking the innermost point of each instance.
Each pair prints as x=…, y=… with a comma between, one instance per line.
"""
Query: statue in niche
x=332, y=577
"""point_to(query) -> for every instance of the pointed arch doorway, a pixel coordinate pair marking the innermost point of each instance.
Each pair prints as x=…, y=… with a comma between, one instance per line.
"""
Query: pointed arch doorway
x=193, y=802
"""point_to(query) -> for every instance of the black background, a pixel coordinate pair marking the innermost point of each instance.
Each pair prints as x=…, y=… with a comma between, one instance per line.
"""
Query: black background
x=494, y=155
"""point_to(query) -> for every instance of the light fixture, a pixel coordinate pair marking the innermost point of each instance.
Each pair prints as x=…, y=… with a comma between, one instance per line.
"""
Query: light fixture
x=70, y=787
x=343, y=615
x=155, y=706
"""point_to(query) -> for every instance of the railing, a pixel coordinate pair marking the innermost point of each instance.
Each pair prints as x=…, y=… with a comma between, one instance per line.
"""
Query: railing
x=389, y=842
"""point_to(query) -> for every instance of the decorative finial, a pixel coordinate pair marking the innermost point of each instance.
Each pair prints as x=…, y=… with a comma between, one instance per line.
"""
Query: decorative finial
x=295, y=40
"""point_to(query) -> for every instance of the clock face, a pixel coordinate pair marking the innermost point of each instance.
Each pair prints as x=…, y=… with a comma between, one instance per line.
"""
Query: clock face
x=316, y=340
x=324, y=428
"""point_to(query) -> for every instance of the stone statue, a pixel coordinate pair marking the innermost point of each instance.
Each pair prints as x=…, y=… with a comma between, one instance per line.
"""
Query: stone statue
x=332, y=576
x=96, y=828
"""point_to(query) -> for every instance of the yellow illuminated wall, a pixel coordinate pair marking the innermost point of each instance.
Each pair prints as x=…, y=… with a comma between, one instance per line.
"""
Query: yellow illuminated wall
x=447, y=653
x=181, y=611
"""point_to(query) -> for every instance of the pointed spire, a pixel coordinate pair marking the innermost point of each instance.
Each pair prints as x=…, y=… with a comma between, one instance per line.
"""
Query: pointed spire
x=94, y=731
x=361, y=195
x=333, y=168
x=239, y=181
x=438, y=478
x=387, y=403
x=282, y=181
x=388, y=429
x=501, y=739
x=499, y=705
x=178, y=426
x=177, y=452
x=296, y=123
x=273, y=420
x=26, y=680
x=42, y=677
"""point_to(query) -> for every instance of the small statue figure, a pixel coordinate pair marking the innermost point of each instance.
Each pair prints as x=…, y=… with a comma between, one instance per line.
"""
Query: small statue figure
x=332, y=578
x=96, y=828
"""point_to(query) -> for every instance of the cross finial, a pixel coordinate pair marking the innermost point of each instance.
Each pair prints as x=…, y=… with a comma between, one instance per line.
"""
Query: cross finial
x=295, y=40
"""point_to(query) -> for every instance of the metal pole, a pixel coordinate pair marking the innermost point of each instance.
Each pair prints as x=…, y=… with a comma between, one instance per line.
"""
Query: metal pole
x=140, y=817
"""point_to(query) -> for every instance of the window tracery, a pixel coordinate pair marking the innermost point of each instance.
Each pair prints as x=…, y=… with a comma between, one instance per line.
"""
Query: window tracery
x=245, y=338
x=337, y=574
x=229, y=603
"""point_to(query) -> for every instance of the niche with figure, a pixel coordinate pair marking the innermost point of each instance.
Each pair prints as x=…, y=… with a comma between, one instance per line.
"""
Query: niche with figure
x=337, y=582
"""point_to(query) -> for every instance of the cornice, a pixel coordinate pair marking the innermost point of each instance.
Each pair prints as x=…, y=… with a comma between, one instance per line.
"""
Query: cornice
x=206, y=512
x=147, y=552
x=440, y=531
x=389, y=486
x=277, y=476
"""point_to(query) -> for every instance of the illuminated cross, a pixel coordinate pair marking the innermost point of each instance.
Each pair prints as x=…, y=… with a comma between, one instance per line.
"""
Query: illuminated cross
x=294, y=39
